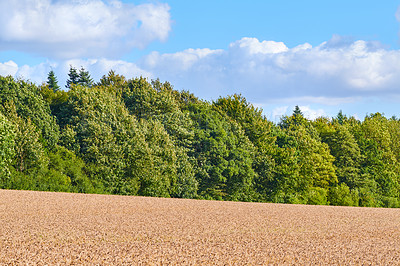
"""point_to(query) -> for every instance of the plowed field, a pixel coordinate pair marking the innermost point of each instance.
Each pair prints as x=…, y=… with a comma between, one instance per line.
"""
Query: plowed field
x=61, y=228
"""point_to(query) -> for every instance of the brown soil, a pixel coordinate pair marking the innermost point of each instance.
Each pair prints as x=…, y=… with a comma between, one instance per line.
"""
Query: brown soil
x=61, y=228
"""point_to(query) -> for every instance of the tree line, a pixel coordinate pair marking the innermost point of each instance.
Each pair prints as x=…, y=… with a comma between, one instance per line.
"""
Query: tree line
x=139, y=137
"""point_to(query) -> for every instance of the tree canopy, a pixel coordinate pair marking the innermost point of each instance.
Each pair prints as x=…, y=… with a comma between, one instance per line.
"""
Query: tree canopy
x=140, y=137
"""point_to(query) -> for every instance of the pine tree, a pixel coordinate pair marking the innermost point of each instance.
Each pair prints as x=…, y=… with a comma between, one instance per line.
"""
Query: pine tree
x=298, y=116
x=84, y=78
x=52, y=81
x=297, y=111
x=73, y=77
x=341, y=118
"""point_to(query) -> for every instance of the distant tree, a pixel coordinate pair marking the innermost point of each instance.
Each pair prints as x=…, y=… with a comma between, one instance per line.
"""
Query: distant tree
x=340, y=118
x=56, y=100
x=112, y=79
x=297, y=111
x=84, y=78
x=296, y=119
x=256, y=127
x=79, y=78
x=52, y=81
x=157, y=101
x=73, y=77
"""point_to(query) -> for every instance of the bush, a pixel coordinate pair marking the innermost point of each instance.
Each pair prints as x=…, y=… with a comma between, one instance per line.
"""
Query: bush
x=342, y=196
x=317, y=196
x=65, y=166
x=390, y=202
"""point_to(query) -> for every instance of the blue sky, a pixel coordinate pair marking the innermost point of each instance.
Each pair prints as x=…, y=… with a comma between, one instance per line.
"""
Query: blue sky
x=324, y=56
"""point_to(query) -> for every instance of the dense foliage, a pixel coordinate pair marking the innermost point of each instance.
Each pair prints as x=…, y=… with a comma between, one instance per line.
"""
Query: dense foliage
x=135, y=137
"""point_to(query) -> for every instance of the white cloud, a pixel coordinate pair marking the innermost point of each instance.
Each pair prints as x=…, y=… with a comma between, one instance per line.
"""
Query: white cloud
x=35, y=74
x=252, y=46
x=72, y=29
x=307, y=110
x=337, y=71
x=96, y=67
x=279, y=111
x=100, y=67
x=311, y=113
x=330, y=101
x=181, y=61
x=197, y=70
x=8, y=68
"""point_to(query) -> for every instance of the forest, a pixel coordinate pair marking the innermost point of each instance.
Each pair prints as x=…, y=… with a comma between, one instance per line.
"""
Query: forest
x=140, y=137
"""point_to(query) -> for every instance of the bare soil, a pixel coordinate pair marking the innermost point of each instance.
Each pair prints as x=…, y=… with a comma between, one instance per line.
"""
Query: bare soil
x=40, y=228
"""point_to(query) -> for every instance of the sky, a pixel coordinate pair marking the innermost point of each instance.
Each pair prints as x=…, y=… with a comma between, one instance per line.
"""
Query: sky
x=324, y=56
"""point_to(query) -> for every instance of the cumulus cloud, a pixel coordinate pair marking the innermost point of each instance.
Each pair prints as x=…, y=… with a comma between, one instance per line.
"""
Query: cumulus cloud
x=182, y=61
x=8, y=68
x=96, y=67
x=72, y=29
x=100, y=67
x=36, y=74
x=253, y=46
x=339, y=69
x=330, y=101
x=278, y=112
x=310, y=113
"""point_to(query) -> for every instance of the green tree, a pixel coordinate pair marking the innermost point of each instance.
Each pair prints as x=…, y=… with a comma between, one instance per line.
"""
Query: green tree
x=29, y=105
x=73, y=77
x=67, y=167
x=30, y=154
x=158, y=101
x=343, y=196
x=79, y=78
x=259, y=131
x=257, y=127
x=98, y=121
x=7, y=148
x=297, y=111
x=344, y=147
x=380, y=169
x=283, y=186
x=296, y=119
x=52, y=81
x=340, y=118
x=224, y=155
x=57, y=101
x=126, y=155
x=84, y=78
x=316, y=169
x=113, y=80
